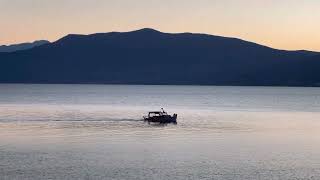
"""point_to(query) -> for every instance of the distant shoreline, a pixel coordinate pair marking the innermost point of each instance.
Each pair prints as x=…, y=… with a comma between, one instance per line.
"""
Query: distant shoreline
x=151, y=57
x=120, y=84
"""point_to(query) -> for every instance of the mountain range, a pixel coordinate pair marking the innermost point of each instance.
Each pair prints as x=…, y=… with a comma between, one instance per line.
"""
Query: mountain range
x=22, y=46
x=148, y=56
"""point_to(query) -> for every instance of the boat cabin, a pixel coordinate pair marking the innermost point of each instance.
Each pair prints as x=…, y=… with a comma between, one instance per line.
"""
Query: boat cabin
x=157, y=113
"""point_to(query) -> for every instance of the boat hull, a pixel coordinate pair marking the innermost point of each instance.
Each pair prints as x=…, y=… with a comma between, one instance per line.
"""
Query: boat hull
x=162, y=119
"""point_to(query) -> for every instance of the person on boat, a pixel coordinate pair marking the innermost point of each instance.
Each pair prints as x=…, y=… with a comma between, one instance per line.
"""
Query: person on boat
x=163, y=112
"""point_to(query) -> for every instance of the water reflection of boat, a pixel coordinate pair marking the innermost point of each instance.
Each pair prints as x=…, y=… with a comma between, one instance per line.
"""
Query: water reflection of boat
x=161, y=117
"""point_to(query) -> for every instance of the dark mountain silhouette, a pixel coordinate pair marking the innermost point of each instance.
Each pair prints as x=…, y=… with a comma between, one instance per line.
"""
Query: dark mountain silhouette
x=148, y=56
x=22, y=46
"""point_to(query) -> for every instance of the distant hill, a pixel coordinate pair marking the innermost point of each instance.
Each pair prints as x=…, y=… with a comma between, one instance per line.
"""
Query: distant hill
x=22, y=46
x=148, y=56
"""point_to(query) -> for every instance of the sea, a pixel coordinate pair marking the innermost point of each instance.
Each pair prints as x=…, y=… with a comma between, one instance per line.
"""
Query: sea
x=94, y=132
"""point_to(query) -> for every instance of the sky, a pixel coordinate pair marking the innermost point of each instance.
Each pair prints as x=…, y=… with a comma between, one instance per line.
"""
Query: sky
x=281, y=24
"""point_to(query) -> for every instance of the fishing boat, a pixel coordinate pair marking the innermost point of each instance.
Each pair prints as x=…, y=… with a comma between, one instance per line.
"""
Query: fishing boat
x=161, y=117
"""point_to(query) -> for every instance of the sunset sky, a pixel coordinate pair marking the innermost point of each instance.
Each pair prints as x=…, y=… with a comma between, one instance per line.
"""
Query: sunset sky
x=283, y=24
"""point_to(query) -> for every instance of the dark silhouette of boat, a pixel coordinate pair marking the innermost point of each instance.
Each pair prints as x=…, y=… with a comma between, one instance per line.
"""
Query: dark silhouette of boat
x=161, y=117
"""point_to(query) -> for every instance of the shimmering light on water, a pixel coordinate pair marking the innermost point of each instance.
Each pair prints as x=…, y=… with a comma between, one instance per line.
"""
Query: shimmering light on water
x=96, y=132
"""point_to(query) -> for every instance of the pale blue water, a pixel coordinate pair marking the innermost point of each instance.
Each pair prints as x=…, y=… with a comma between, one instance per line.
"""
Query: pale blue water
x=96, y=132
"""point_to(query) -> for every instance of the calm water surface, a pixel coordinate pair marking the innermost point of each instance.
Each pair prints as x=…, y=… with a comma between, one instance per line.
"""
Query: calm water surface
x=96, y=132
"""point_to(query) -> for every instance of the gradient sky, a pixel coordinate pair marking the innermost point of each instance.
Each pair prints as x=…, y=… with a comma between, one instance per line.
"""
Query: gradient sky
x=283, y=24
